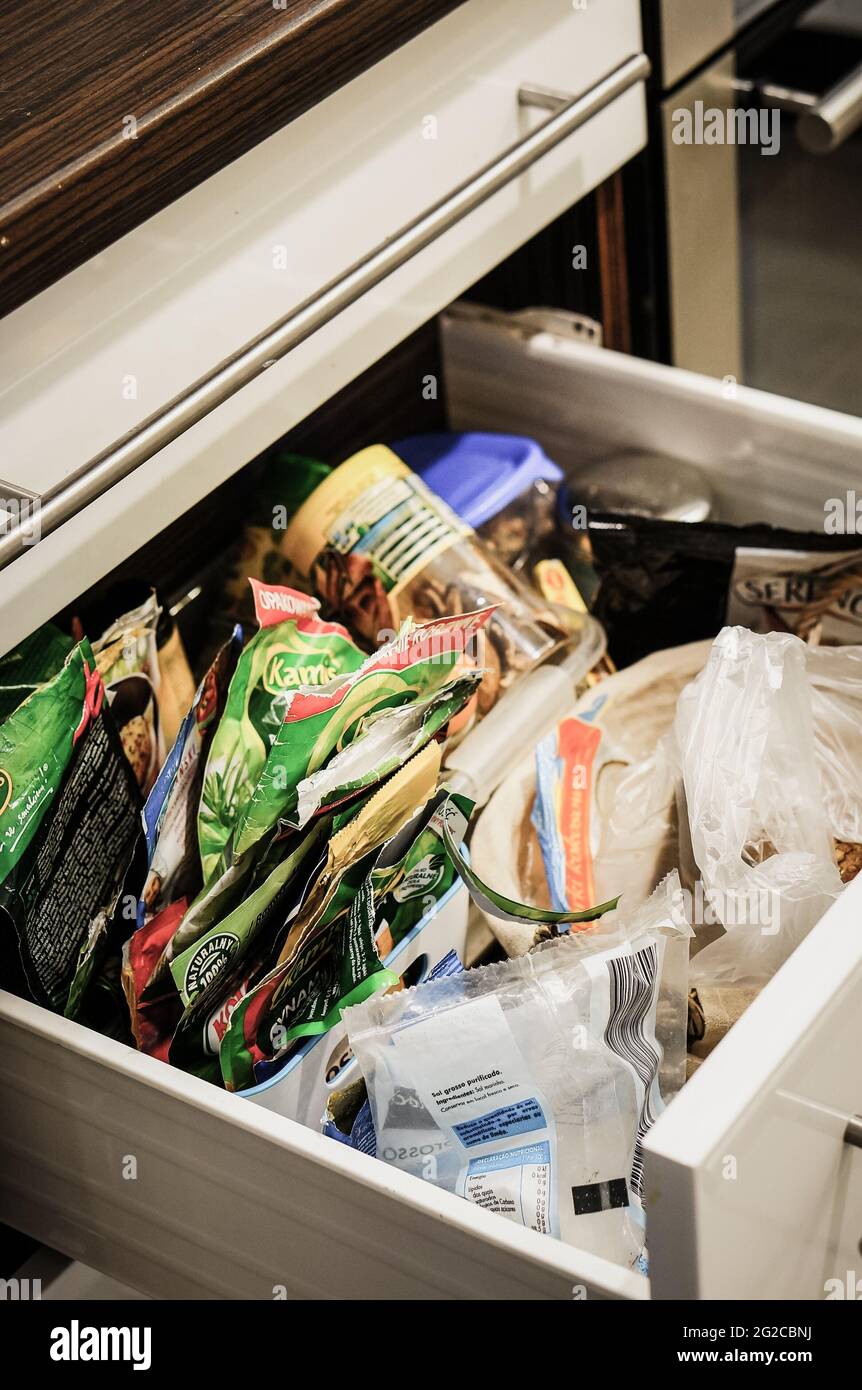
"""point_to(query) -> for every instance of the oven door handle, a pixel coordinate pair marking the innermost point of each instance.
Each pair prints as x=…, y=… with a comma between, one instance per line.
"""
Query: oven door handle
x=828, y=123
x=824, y=122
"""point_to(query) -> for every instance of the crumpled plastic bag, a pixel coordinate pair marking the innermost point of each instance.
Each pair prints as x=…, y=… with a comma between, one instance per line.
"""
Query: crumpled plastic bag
x=750, y=796
x=835, y=679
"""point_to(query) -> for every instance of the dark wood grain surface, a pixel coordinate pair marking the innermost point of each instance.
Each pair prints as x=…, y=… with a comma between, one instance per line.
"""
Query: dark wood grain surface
x=202, y=80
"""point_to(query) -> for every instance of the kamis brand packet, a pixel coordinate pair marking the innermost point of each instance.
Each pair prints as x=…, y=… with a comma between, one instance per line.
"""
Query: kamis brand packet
x=319, y=723
x=293, y=649
x=381, y=741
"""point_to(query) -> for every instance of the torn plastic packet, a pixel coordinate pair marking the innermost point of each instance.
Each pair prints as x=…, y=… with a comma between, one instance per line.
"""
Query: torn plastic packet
x=384, y=740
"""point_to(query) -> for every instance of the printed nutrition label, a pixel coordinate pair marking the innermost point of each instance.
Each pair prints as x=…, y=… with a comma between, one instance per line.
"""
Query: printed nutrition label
x=515, y=1183
x=472, y=1078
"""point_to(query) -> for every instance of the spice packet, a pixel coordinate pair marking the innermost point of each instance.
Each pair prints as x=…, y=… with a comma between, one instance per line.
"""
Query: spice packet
x=152, y=1023
x=229, y=940
x=422, y=876
x=346, y=976
x=260, y=923
x=265, y=1023
x=29, y=665
x=128, y=662
x=171, y=811
x=69, y=822
x=384, y=740
x=293, y=648
x=209, y=907
x=317, y=724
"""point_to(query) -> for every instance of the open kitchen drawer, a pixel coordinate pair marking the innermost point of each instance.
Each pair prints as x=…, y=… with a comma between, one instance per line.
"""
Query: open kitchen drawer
x=225, y=1198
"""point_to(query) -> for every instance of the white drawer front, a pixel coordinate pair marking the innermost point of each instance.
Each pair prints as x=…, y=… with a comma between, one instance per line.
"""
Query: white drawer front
x=90, y=358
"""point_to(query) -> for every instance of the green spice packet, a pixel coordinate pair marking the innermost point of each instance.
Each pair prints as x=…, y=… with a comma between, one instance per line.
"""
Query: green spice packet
x=410, y=890
x=70, y=817
x=293, y=648
x=310, y=957
x=198, y=967
x=36, y=743
x=384, y=741
x=319, y=723
x=195, y=1046
x=349, y=975
x=33, y=662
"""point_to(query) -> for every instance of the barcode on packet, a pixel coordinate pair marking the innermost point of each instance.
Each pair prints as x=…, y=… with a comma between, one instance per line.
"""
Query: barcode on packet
x=633, y=980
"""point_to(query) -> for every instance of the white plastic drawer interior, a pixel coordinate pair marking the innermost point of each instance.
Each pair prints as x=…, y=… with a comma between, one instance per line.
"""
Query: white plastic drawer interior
x=120, y=337
x=765, y=457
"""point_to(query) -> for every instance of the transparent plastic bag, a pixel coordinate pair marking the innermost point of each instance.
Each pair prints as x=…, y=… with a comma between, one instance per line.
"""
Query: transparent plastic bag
x=835, y=678
x=528, y=1086
x=751, y=801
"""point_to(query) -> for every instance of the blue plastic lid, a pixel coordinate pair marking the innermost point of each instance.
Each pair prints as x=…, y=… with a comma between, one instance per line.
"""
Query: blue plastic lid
x=477, y=474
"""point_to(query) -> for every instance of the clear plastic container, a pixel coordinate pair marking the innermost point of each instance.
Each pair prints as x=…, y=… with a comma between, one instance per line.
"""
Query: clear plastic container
x=503, y=485
x=378, y=545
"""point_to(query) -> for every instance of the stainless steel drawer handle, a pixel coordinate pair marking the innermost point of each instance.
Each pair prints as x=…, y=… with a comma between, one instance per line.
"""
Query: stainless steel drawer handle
x=120, y=459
